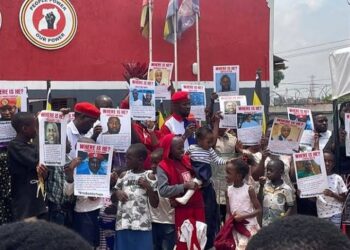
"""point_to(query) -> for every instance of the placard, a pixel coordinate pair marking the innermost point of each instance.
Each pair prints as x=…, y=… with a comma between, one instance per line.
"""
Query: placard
x=52, y=138
x=160, y=73
x=226, y=80
x=92, y=175
x=11, y=102
x=285, y=136
x=304, y=115
x=197, y=98
x=310, y=173
x=142, y=100
x=228, y=108
x=347, y=129
x=249, y=124
x=116, y=128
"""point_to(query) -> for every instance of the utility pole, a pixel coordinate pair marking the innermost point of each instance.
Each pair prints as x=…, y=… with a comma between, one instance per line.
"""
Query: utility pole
x=312, y=87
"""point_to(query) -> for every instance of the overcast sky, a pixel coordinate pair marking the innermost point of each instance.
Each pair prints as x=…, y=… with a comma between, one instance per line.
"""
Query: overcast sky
x=305, y=23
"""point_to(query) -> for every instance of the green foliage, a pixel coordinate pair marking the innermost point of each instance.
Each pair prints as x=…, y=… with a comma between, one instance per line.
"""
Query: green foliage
x=278, y=77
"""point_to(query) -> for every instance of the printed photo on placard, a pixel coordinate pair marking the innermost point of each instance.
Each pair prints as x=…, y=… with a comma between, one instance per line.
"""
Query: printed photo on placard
x=116, y=128
x=11, y=102
x=310, y=172
x=226, y=80
x=142, y=100
x=303, y=115
x=285, y=136
x=228, y=108
x=92, y=175
x=249, y=122
x=160, y=73
x=52, y=138
x=197, y=98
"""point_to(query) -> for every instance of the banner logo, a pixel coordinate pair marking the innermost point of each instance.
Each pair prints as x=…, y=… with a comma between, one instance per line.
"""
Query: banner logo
x=48, y=24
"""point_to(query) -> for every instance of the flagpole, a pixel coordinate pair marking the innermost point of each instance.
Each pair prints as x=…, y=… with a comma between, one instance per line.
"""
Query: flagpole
x=197, y=45
x=175, y=47
x=150, y=47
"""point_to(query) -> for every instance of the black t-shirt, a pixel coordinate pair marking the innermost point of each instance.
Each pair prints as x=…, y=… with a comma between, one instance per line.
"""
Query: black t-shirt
x=23, y=158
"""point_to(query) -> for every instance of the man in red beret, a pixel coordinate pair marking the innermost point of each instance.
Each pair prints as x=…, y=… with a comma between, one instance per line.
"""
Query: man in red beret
x=93, y=165
x=86, y=114
x=178, y=123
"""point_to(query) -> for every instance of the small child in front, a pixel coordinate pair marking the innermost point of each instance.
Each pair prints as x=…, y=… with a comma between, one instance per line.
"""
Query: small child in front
x=241, y=200
x=275, y=195
x=134, y=193
x=330, y=203
x=24, y=167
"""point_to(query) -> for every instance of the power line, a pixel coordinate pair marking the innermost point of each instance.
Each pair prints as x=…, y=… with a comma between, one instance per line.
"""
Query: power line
x=312, y=46
x=316, y=80
x=315, y=51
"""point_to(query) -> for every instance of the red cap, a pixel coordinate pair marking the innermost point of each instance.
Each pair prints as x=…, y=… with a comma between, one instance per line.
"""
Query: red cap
x=180, y=96
x=97, y=156
x=87, y=109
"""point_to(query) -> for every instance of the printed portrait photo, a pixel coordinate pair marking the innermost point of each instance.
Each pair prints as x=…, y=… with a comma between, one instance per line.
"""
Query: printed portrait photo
x=226, y=82
x=52, y=133
x=92, y=163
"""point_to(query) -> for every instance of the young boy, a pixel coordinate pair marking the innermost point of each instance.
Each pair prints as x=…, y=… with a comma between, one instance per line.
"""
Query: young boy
x=134, y=191
x=330, y=203
x=23, y=160
x=276, y=196
x=163, y=217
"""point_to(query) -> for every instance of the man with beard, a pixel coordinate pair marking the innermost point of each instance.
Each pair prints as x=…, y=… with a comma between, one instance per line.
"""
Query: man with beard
x=177, y=123
x=86, y=115
x=113, y=125
x=322, y=132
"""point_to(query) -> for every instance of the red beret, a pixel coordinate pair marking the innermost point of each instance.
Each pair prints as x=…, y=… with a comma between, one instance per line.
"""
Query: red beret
x=180, y=96
x=97, y=156
x=87, y=109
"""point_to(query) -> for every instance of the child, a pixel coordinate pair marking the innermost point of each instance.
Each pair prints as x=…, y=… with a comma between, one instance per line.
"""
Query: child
x=23, y=160
x=241, y=200
x=330, y=203
x=163, y=217
x=202, y=155
x=275, y=195
x=134, y=229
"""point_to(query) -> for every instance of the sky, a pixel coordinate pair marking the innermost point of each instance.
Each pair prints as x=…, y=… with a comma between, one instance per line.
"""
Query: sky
x=309, y=23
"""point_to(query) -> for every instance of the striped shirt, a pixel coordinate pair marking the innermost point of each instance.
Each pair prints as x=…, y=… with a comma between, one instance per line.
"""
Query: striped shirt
x=205, y=156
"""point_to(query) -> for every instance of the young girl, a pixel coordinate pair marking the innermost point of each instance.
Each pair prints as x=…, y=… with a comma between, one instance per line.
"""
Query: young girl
x=202, y=155
x=330, y=203
x=241, y=200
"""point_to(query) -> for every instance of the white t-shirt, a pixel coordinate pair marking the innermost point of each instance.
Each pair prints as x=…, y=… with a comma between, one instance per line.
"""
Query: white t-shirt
x=329, y=206
x=134, y=214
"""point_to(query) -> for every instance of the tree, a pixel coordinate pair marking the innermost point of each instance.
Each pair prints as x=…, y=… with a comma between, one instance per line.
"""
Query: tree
x=278, y=77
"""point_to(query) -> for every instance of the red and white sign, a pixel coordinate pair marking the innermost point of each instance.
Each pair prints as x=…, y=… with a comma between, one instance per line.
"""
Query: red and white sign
x=48, y=24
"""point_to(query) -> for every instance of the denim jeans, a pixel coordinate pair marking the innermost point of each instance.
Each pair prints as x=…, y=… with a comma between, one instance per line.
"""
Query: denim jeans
x=335, y=219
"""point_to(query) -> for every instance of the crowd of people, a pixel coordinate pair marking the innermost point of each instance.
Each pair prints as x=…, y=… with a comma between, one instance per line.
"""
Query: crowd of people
x=164, y=192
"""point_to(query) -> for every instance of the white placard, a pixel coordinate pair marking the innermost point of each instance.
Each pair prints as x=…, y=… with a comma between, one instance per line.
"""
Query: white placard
x=197, y=98
x=226, y=80
x=310, y=173
x=304, y=115
x=160, y=73
x=52, y=138
x=228, y=108
x=142, y=100
x=11, y=102
x=92, y=176
x=347, y=129
x=285, y=136
x=249, y=124
x=116, y=128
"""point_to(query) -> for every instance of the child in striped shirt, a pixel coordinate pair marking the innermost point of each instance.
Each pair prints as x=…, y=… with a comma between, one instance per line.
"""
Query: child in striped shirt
x=202, y=156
